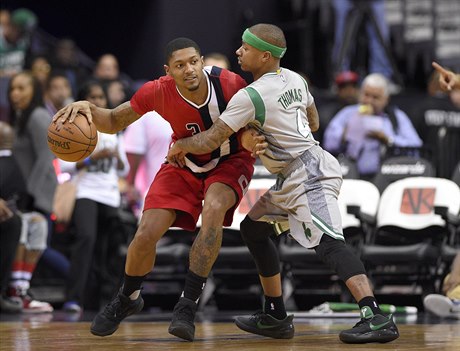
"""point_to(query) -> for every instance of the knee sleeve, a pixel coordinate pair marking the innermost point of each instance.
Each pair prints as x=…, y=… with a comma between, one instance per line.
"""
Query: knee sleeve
x=339, y=257
x=256, y=235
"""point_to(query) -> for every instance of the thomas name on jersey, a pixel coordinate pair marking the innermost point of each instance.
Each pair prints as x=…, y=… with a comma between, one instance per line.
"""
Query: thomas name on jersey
x=288, y=97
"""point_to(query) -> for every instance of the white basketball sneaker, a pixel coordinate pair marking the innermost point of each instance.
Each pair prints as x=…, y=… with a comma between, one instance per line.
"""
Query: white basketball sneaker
x=442, y=306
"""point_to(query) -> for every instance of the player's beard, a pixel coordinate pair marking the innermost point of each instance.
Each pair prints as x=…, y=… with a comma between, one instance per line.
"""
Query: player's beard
x=193, y=88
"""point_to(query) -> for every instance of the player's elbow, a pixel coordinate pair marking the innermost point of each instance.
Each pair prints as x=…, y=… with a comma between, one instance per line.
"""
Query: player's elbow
x=314, y=127
x=313, y=118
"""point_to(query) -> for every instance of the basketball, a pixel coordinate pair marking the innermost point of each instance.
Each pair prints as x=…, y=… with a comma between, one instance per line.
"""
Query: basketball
x=72, y=141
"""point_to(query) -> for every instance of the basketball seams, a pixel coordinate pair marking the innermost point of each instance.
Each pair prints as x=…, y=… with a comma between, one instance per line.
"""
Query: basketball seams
x=88, y=145
x=83, y=155
x=72, y=140
x=90, y=137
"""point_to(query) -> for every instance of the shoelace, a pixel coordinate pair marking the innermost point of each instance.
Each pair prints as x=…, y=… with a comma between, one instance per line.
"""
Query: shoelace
x=257, y=316
x=111, y=309
x=362, y=321
x=184, y=311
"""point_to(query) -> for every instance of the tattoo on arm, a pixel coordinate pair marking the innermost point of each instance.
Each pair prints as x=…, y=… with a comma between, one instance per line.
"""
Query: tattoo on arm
x=122, y=116
x=207, y=141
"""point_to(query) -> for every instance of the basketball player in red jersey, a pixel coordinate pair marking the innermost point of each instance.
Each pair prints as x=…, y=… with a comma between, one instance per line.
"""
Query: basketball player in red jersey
x=190, y=98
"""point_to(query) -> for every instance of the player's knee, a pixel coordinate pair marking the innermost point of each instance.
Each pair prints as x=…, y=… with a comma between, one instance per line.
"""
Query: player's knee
x=255, y=231
x=144, y=239
x=217, y=202
x=257, y=237
x=339, y=257
x=214, y=210
x=328, y=247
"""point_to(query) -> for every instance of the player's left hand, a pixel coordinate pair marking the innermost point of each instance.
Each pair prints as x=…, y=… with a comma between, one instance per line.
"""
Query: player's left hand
x=253, y=141
x=176, y=156
x=69, y=112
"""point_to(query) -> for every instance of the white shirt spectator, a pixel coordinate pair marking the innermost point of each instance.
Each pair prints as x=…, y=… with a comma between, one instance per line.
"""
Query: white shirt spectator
x=149, y=136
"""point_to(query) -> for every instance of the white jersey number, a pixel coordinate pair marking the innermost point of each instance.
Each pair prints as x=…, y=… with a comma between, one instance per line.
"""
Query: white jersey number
x=302, y=124
x=194, y=127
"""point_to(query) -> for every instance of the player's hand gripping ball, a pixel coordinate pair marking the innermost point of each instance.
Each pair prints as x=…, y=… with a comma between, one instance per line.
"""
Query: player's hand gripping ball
x=72, y=141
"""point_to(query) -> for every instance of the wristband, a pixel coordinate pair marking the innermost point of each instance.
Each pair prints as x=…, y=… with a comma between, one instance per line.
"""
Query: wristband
x=87, y=161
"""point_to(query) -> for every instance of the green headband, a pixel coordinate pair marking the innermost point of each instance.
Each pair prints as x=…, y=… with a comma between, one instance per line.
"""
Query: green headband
x=262, y=45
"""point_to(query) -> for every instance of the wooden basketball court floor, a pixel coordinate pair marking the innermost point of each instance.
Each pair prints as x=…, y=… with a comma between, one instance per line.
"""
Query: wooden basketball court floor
x=59, y=331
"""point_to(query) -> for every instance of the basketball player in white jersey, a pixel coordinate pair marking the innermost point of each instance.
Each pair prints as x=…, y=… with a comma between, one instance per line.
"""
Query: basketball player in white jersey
x=279, y=105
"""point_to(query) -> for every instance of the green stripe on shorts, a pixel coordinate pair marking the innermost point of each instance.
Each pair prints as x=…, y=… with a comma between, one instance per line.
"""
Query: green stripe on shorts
x=325, y=227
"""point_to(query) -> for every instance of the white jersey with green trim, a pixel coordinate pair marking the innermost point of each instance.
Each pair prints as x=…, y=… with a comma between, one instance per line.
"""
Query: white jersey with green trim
x=276, y=104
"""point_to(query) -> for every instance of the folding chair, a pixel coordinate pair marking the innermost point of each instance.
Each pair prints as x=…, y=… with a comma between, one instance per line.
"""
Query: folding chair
x=358, y=202
x=403, y=253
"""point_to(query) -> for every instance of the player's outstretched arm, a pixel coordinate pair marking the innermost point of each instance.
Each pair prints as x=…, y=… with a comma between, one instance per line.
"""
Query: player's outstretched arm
x=108, y=121
x=199, y=144
x=211, y=139
x=448, y=80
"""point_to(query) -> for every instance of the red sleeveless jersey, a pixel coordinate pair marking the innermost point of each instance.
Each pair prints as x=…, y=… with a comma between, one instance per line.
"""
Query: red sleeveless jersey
x=186, y=118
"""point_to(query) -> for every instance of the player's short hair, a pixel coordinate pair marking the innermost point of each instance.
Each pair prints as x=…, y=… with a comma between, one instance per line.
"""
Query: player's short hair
x=179, y=44
x=270, y=33
x=377, y=80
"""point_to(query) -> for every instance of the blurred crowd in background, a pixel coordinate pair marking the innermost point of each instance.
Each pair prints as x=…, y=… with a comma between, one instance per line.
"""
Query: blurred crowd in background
x=362, y=75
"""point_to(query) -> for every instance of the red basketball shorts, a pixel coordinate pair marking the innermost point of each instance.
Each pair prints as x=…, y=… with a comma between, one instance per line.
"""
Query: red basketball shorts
x=180, y=189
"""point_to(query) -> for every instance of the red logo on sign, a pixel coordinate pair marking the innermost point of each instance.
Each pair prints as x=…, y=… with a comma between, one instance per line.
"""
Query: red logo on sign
x=250, y=199
x=418, y=200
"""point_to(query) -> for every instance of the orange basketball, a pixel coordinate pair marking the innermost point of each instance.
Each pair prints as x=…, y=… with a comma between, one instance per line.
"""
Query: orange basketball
x=72, y=141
